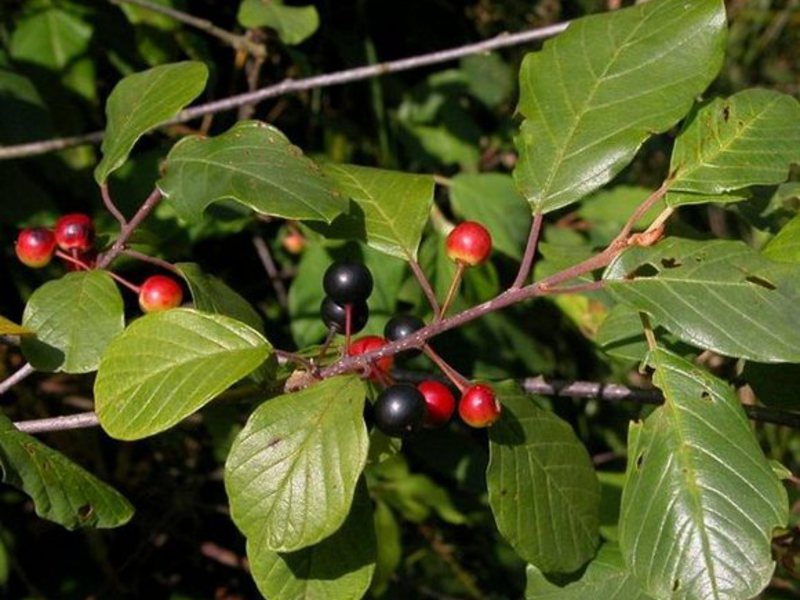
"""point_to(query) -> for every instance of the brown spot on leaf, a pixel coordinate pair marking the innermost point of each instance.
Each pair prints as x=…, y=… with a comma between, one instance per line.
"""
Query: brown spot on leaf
x=726, y=113
x=670, y=262
x=85, y=512
x=760, y=281
x=274, y=442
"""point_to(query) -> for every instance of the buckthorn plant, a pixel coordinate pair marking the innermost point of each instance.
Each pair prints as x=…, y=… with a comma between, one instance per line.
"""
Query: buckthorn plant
x=520, y=324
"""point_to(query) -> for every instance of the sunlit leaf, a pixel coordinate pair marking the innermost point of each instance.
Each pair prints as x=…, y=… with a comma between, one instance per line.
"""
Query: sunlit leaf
x=293, y=23
x=700, y=500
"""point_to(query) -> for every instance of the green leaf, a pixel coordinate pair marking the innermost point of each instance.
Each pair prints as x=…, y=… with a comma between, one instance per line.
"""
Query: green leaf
x=719, y=295
x=751, y=138
x=389, y=209
x=74, y=318
x=700, y=500
x=211, y=294
x=142, y=101
x=52, y=38
x=785, y=246
x=293, y=469
x=596, y=92
x=62, y=491
x=606, y=578
x=254, y=164
x=621, y=335
x=543, y=490
x=8, y=327
x=339, y=566
x=493, y=200
x=293, y=23
x=167, y=365
x=389, y=551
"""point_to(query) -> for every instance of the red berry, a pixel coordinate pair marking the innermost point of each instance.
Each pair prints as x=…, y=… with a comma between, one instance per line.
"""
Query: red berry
x=35, y=247
x=75, y=231
x=294, y=242
x=479, y=406
x=439, y=402
x=469, y=243
x=368, y=343
x=160, y=293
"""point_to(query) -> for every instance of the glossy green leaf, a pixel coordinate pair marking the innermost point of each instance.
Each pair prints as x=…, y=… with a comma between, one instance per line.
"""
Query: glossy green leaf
x=294, y=24
x=785, y=246
x=254, y=164
x=74, y=318
x=389, y=209
x=493, y=200
x=339, y=566
x=751, y=138
x=8, y=327
x=51, y=38
x=211, y=294
x=62, y=491
x=142, y=101
x=293, y=469
x=169, y=364
x=543, y=490
x=606, y=578
x=700, y=500
x=596, y=92
x=719, y=295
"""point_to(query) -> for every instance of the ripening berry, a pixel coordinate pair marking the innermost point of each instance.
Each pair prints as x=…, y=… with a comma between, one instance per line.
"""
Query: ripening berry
x=75, y=231
x=369, y=343
x=439, y=402
x=35, y=246
x=478, y=406
x=159, y=292
x=469, y=243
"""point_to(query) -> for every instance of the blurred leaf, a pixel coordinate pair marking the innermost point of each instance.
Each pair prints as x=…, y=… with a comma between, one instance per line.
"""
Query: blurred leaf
x=339, y=567
x=774, y=385
x=167, y=365
x=596, y=92
x=488, y=78
x=293, y=469
x=717, y=295
x=700, y=500
x=606, y=578
x=390, y=548
x=24, y=116
x=62, y=491
x=444, y=144
x=389, y=209
x=51, y=38
x=254, y=164
x=211, y=294
x=748, y=139
x=785, y=246
x=8, y=327
x=74, y=318
x=543, y=490
x=140, y=102
x=493, y=200
x=293, y=23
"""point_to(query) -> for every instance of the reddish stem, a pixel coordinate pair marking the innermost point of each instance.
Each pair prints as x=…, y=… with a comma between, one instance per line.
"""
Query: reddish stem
x=452, y=291
x=82, y=265
x=457, y=378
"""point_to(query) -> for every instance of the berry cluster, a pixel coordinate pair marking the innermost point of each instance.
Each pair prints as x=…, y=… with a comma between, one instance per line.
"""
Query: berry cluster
x=72, y=240
x=401, y=408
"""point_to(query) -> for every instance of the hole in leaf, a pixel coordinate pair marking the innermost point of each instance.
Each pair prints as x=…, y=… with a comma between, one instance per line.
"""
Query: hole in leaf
x=645, y=270
x=85, y=511
x=676, y=585
x=670, y=263
x=756, y=280
x=726, y=113
x=706, y=396
x=639, y=461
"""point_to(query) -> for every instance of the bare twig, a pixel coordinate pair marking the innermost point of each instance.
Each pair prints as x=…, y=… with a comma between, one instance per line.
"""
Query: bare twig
x=425, y=284
x=13, y=379
x=294, y=85
x=77, y=421
x=239, y=42
x=530, y=251
x=116, y=249
x=272, y=270
x=110, y=206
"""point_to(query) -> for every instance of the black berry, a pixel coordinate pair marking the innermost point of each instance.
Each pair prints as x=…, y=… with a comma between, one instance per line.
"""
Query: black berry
x=347, y=283
x=399, y=410
x=334, y=315
x=402, y=326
